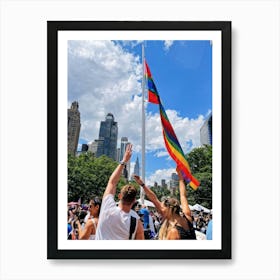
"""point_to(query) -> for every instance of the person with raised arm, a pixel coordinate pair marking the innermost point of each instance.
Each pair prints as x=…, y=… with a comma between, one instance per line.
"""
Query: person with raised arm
x=119, y=222
x=175, y=225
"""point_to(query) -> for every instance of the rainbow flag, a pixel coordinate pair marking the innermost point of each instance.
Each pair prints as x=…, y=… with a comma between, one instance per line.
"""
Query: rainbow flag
x=153, y=96
x=170, y=139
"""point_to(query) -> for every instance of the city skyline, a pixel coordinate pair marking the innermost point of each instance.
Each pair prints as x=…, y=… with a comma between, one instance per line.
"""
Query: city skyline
x=106, y=76
x=165, y=182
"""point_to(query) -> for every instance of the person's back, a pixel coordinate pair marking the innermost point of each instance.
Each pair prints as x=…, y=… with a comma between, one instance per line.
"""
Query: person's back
x=119, y=222
x=186, y=232
x=114, y=223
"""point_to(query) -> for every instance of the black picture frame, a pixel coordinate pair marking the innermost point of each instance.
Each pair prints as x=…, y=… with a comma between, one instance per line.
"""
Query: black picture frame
x=53, y=27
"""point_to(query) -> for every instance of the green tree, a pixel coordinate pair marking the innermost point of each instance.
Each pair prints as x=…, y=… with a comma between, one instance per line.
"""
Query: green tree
x=200, y=161
x=160, y=191
x=89, y=176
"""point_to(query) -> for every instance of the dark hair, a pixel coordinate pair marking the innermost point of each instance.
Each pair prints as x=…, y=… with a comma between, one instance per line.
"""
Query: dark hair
x=135, y=205
x=128, y=193
x=97, y=201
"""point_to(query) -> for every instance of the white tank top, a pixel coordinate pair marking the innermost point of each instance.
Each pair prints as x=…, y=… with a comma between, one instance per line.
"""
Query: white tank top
x=92, y=236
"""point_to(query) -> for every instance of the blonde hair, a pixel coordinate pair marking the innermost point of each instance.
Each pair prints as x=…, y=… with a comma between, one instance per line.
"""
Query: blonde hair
x=172, y=207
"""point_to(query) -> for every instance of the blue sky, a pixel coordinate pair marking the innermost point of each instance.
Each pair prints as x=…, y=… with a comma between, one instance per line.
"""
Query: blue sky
x=105, y=76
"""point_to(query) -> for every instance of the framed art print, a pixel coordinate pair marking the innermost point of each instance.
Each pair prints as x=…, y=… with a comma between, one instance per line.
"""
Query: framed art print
x=164, y=88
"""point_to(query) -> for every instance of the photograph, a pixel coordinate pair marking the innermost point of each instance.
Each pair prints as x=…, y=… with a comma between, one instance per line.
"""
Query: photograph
x=132, y=134
x=139, y=134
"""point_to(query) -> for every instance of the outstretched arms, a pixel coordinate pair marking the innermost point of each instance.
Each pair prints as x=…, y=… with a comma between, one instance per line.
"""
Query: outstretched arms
x=115, y=177
x=183, y=195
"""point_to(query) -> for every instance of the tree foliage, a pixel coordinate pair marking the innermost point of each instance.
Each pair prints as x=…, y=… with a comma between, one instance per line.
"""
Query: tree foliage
x=160, y=191
x=88, y=176
x=200, y=161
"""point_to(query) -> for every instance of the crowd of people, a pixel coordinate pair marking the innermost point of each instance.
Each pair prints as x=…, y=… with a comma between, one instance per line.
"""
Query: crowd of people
x=201, y=220
x=107, y=219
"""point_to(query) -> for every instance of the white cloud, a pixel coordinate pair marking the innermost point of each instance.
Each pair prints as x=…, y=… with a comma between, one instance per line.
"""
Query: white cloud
x=159, y=175
x=167, y=45
x=132, y=44
x=162, y=153
x=103, y=78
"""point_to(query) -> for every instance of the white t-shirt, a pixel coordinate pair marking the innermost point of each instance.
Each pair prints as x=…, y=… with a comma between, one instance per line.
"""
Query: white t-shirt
x=114, y=223
x=151, y=224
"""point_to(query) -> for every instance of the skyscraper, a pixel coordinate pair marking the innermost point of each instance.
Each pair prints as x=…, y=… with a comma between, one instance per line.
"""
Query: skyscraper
x=108, y=135
x=92, y=147
x=174, y=182
x=84, y=147
x=74, y=126
x=137, y=168
x=206, y=131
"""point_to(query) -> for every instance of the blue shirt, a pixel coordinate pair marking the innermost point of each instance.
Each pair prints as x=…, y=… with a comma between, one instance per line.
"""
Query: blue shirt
x=145, y=212
x=209, y=231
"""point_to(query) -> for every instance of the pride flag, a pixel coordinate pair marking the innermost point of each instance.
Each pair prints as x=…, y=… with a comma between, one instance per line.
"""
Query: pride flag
x=153, y=96
x=170, y=139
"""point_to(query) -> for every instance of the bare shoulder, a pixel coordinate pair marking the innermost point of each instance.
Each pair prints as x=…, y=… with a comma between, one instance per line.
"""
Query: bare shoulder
x=89, y=224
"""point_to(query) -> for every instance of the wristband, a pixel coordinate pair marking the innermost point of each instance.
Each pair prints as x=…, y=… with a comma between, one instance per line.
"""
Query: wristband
x=142, y=185
x=122, y=163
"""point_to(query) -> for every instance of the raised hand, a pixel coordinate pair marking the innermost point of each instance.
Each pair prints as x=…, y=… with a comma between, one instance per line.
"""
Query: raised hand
x=179, y=173
x=137, y=179
x=128, y=153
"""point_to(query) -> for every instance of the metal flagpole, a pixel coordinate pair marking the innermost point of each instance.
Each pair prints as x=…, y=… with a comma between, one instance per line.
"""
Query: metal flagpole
x=142, y=193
